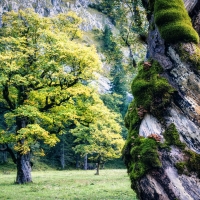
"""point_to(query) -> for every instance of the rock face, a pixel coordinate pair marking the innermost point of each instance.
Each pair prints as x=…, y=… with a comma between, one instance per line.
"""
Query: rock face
x=174, y=179
x=91, y=20
x=52, y=7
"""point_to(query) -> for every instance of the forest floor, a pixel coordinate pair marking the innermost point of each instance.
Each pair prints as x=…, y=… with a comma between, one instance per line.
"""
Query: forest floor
x=69, y=185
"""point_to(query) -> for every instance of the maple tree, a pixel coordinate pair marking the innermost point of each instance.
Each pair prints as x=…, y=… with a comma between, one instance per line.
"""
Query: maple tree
x=98, y=133
x=43, y=69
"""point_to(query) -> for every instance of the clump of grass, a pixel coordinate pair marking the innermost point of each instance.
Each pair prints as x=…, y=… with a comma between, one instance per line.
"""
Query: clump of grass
x=173, y=22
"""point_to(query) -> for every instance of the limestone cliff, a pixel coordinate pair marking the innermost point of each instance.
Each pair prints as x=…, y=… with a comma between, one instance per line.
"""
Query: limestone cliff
x=172, y=170
x=46, y=8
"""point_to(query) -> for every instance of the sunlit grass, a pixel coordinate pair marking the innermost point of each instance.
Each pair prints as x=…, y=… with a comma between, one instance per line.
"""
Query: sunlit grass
x=69, y=184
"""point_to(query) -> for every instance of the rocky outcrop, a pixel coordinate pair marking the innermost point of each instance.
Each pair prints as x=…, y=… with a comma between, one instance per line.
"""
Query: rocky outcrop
x=174, y=178
x=92, y=20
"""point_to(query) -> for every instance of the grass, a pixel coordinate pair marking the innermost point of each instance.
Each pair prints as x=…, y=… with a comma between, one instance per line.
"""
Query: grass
x=69, y=185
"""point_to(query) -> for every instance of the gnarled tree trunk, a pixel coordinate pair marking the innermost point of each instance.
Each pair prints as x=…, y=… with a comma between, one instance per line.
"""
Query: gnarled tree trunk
x=23, y=160
x=23, y=169
x=177, y=174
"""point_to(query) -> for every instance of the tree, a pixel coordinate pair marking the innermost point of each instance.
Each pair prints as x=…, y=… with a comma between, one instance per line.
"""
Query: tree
x=98, y=135
x=43, y=69
x=162, y=147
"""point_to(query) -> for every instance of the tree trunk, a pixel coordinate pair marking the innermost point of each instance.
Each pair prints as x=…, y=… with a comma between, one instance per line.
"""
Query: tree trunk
x=77, y=161
x=23, y=160
x=98, y=167
x=85, y=162
x=3, y=156
x=23, y=169
x=62, y=156
x=176, y=172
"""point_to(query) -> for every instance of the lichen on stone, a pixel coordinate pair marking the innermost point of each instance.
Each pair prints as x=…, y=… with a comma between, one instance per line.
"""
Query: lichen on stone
x=190, y=53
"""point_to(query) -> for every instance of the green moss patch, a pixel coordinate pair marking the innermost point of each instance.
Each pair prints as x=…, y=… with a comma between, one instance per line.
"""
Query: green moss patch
x=144, y=157
x=172, y=137
x=174, y=22
x=150, y=90
x=131, y=118
x=181, y=167
x=193, y=163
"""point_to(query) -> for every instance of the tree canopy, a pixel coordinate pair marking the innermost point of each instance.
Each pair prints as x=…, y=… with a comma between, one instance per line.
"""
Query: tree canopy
x=44, y=70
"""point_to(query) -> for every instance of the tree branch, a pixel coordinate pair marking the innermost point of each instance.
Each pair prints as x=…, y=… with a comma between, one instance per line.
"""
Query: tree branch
x=6, y=96
x=10, y=151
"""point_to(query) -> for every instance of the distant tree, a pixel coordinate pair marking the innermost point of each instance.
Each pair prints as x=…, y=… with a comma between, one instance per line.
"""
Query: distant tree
x=42, y=72
x=98, y=135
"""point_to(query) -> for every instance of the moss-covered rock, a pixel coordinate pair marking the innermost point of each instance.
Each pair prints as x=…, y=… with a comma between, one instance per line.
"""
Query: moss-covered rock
x=181, y=167
x=131, y=118
x=193, y=162
x=173, y=22
x=171, y=136
x=150, y=90
x=144, y=156
x=153, y=93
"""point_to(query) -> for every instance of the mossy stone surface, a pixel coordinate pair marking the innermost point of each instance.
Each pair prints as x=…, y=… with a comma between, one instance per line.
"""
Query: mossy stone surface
x=144, y=156
x=172, y=137
x=150, y=90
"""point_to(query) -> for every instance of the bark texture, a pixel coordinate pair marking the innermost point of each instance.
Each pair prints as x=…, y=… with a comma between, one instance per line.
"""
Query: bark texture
x=165, y=183
x=23, y=160
x=23, y=169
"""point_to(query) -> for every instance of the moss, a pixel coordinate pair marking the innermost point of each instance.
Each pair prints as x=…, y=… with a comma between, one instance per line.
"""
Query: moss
x=131, y=118
x=172, y=137
x=152, y=91
x=193, y=162
x=193, y=57
x=144, y=156
x=174, y=22
x=181, y=167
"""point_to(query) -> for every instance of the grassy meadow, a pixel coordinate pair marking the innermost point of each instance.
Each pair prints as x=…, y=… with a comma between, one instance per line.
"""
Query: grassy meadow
x=69, y=184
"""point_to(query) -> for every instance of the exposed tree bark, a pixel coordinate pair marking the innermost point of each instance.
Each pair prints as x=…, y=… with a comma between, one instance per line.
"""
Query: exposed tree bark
x=62, y=156
x=6, y=148
x=23, y=160
x=98, y=165
x=77, y=161
x=166, y=182
x=23, y=169
x=3, y=156
x=85, y=162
